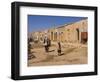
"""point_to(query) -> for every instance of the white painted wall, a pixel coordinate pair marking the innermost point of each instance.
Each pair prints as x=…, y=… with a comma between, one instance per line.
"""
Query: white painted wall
x=5, y=40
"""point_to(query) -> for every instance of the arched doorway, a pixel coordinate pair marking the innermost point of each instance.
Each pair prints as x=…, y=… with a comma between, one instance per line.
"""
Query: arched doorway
x=55, y=36
x=77, y=33
x=51, y=35
x=84, y=37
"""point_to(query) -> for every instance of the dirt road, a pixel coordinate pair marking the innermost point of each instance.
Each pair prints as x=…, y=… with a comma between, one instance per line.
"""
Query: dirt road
x=70, y=55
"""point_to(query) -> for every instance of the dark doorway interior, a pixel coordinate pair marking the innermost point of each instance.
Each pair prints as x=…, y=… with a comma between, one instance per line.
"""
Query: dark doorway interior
x=84, y=37
x=77, y=33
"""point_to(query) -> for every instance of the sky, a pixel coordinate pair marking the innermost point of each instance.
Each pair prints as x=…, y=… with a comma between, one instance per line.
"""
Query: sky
x=41, y=22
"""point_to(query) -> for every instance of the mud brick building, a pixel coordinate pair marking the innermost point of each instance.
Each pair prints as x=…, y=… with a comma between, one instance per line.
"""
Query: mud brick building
x=76, y=32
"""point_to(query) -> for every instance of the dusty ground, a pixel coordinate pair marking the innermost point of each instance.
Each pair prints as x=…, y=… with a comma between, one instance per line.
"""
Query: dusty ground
x=71, y=54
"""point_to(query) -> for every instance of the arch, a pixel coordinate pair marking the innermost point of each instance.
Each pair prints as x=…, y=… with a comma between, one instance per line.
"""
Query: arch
x=51, y=35
x=55, y=36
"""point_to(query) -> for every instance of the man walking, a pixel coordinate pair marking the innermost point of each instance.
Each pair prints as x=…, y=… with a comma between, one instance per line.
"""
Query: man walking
x=59, y=49
x=46, y=45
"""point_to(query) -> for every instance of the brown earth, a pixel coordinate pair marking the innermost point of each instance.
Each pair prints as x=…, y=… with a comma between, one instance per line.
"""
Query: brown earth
x=71, y=54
